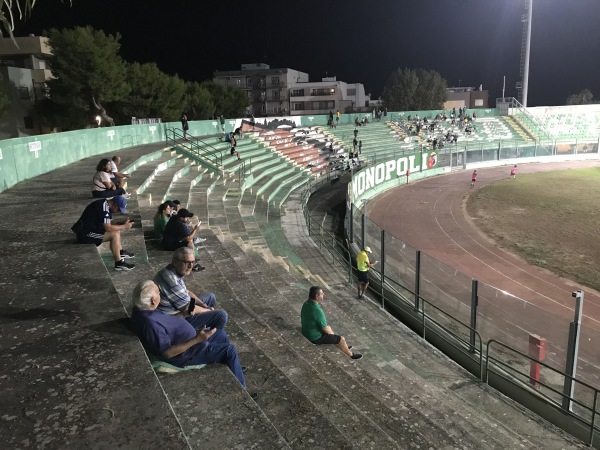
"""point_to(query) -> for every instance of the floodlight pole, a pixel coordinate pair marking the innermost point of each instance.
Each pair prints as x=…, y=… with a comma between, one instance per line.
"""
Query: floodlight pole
x=527, y=53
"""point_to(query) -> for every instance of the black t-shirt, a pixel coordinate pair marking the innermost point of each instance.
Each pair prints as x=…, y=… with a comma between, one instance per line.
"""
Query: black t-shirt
x=95, y=215
x=175, y=232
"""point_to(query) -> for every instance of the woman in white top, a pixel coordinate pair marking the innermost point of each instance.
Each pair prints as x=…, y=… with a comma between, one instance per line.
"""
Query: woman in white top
x=102, y=186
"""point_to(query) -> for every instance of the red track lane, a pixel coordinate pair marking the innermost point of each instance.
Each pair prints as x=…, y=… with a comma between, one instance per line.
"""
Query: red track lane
x=430, y=216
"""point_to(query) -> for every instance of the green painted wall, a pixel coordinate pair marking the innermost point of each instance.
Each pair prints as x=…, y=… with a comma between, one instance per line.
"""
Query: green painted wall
x=27, y=157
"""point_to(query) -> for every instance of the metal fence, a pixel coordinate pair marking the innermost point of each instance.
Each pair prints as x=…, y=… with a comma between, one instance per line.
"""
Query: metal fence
x=489, y=327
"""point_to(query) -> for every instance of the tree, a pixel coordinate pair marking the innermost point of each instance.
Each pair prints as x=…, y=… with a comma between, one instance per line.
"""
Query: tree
x=585, y=97
x=86, y=65
x=8, y=10
x=415, y=90
x=153, y=94
x=228, y=101
x=198, y=102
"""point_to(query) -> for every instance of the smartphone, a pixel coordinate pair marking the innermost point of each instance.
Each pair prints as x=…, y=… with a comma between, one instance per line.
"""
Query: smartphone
x=191, y=305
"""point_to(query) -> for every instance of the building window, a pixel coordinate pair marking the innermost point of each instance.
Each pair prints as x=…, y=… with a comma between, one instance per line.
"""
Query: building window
x=24, y=93
x=28, y=122
x=275, y=95
x=297, y=93
x=276, y=110
x=351, y=92
x=478, y=102
x=249, y=82
x=298, y=106
x=322, y=91
x=275, y=81
x=330, y=104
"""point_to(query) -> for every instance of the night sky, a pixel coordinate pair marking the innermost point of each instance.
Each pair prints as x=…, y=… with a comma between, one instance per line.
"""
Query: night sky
x=470, y=42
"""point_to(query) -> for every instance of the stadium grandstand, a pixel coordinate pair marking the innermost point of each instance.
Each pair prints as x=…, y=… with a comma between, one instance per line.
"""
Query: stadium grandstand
x=74, y=375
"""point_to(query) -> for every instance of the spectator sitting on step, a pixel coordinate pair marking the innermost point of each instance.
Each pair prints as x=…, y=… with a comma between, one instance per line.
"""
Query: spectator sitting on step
x=95, y=227
x=162, y=216
x=116, y=176
x=176, y=340
x=102, y=186
x=175, y=208
x=176, y=299
x=178, y=233
x=314, y=324
x=238, y=132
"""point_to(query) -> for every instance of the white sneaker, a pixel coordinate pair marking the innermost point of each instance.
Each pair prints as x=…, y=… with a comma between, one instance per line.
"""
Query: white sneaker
x=199, y=240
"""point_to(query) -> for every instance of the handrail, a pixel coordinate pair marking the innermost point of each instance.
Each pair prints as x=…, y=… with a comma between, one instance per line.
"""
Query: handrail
x=192, y=145
x=591, y=409
x=323, y=237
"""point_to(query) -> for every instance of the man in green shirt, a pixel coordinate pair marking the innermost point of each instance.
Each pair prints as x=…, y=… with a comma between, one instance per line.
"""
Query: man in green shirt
x=314, y=324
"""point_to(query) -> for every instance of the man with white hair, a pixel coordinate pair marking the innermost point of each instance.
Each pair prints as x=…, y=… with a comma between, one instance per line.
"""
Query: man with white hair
x=175, y=298
x=174, y=340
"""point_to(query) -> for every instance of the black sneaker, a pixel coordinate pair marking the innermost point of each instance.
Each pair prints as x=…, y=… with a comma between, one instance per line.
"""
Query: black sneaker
x=349, y=347
x=198, y=268
x=244, y=369
x=122, y=265
x=125, y=254
x=356, y=356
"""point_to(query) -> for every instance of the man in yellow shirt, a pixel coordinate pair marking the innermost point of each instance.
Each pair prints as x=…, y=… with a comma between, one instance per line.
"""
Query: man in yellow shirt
x=363, y=265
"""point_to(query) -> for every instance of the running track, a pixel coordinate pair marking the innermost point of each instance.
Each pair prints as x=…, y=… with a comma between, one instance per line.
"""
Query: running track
x=430, y=216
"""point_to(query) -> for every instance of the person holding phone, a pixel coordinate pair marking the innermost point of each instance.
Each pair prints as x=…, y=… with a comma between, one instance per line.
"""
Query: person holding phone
x=175, y=340
x=96, y=226
x=363, y=265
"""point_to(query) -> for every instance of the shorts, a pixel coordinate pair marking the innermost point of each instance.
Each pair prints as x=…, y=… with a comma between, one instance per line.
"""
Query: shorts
x=363, y=277
x=328, y=339
x=89, y=238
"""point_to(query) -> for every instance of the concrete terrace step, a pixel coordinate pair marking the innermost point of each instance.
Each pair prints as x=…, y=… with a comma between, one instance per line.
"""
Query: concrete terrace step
x=71, y=372
x=269, y=304
x=325, y=397
x=441, y=414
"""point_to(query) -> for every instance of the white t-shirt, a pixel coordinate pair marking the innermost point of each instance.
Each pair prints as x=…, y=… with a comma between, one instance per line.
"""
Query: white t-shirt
x=113, y=167
x=98, y=181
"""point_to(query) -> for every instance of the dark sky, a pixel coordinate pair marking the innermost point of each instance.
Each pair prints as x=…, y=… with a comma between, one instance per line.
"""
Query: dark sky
x=468, y=41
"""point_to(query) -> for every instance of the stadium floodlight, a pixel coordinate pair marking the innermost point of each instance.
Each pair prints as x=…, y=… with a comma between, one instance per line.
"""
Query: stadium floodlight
x=525, y=50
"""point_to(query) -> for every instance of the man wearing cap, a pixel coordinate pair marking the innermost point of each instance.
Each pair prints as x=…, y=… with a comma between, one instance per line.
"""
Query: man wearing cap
x=95, y=227
x=363, y=265
x=178, y=233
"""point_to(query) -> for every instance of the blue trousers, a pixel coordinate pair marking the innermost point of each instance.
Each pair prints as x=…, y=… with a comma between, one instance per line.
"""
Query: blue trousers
x=218, y=349
x=210, y=319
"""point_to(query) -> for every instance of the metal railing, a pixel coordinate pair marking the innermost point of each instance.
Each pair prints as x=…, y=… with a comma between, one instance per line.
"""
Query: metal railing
x=586, y=405
x=327, y=241
x=195, y=147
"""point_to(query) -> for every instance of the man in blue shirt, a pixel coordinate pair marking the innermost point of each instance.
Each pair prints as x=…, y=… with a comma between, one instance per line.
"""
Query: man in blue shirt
x=174, y=340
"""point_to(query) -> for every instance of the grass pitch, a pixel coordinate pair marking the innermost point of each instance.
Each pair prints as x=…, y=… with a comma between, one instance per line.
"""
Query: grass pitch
x=550, y=219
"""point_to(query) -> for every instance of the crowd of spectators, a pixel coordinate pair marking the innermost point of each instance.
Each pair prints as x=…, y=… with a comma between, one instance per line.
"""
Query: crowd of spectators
x=174, y=324
x=443, y=129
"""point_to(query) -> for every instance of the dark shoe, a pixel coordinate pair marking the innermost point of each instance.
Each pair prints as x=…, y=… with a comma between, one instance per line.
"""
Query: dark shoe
x=125, y=254
x=356, y=356
x=122, y=265
x=359, y=296
x=244, y=369
x=198, y=268
x=254, y=396
x=349, y=347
